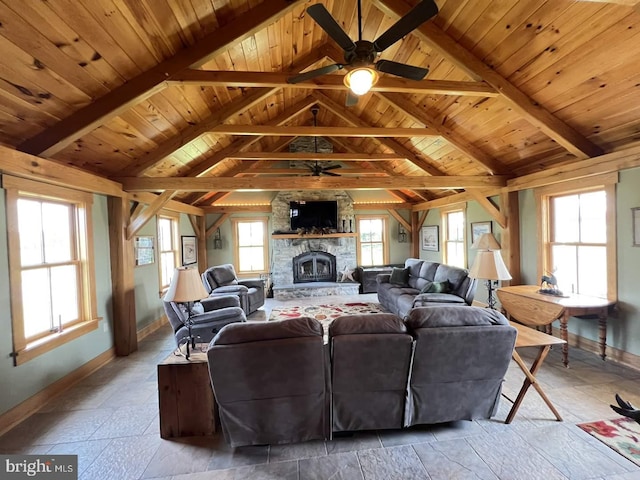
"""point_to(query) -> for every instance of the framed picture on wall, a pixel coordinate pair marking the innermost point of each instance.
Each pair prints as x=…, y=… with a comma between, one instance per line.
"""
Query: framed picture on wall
x=635, y=221
x=144, y=250
x=430, y=238
x=478, y=228
x=189, y=249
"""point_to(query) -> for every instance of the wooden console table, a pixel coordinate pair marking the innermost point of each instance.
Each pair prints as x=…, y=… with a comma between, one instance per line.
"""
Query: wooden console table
x=187, y=405
x=527, y=306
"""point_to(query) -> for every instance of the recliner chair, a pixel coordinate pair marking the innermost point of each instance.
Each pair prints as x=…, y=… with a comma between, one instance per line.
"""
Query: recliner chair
x=222, y=280
x=208, y=317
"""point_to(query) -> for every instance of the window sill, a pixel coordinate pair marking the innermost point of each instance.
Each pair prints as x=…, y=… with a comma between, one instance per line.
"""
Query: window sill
x=43, y=345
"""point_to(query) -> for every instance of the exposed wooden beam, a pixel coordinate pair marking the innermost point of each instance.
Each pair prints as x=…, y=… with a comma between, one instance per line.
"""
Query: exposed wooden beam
x=442, y=202
x=55, y=139
x=552, y=126
x=217, y=224
x=335, y=157
x=382, y=206
x=629, y=3
x=417, y=114
x=238, y=209
x=193, y=220
x=173, y=205
x=489, y=207
x=145, y=215
x=305, y=131
x=394, y=145
x=25, y=165
x=148, y=161
x=401, y=220
x=303, y=171
x=330, y=82
x=237, y=145
x=203, y=184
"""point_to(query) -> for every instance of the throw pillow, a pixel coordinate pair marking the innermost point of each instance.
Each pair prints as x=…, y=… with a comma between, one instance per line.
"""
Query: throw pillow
x=426, y=288
x=399, y=276
x=439, y=287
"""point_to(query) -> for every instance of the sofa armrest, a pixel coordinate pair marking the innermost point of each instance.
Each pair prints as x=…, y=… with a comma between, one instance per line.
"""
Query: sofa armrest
x=230, y=290
x=252, y=283
x=217, y=302
x=383, y=277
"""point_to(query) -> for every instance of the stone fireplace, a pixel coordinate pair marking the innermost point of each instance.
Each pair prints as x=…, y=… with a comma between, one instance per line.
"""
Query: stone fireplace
x=341, y=248
x=314, y=267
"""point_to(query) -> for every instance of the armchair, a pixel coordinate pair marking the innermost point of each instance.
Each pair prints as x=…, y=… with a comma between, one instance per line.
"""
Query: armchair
x=222, y=280
x=209, y=316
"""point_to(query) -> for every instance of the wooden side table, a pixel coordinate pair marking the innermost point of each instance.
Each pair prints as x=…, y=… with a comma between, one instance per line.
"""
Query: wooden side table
x=528, y=337
x=187, y=404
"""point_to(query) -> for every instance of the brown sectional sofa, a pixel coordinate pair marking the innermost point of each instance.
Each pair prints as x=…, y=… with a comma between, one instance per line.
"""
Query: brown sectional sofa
x=276, y=382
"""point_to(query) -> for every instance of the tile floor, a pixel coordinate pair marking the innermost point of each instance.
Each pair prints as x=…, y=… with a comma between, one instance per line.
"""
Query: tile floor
x=110, y=420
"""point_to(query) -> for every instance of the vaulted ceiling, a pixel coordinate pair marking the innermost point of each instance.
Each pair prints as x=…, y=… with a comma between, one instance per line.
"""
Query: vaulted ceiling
x=154, y=93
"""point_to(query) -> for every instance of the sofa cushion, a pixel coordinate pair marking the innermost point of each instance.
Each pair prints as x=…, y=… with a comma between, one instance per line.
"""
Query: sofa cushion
x=428, y=270
x=225, y=275
x=399, y=276
x=453, y=316
x=366, y=324
x=454, y=275
x=259, y=331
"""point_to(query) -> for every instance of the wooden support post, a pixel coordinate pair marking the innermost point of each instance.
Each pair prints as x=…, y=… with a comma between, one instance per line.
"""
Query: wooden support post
x=509, y=205
x=415, y=234
x=202, y=244
x=122, y=278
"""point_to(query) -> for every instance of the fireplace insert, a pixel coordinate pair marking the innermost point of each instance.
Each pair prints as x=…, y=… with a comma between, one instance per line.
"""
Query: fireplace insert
x=314, y=267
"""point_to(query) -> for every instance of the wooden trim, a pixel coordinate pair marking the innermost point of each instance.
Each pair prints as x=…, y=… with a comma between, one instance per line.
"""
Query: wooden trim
x=385, y=236
x=229, y=184
x=152, y=327
x=23, y=410
x=536, y=114
x=330, y=82
x=238, y=209
x=612, y=245
x=236, y=243
x=55, y=173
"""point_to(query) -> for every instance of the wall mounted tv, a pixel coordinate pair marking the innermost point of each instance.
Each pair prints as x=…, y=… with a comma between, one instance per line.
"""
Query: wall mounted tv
x=320, y=214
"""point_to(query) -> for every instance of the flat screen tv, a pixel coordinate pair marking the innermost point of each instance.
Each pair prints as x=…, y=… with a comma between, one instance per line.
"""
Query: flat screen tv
x=320, y=214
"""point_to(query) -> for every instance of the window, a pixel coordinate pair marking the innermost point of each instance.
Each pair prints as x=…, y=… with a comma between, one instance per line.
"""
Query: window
x=372, y=240
x=454, y=245
x=168, y=249
x=251, y=245
x=578, y=247
x=51, y=266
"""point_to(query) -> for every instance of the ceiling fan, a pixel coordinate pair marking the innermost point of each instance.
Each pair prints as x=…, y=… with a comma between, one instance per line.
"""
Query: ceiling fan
x=361, y=54
x=317, y=169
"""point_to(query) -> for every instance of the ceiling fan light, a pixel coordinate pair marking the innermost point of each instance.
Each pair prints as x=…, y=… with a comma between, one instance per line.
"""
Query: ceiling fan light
x=360, y=80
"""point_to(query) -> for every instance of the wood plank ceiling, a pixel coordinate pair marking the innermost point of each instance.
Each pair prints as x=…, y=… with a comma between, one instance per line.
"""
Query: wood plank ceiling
x=152, y=92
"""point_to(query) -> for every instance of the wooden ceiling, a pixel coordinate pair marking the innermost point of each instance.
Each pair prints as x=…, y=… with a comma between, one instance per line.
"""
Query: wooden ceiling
x=153, y=93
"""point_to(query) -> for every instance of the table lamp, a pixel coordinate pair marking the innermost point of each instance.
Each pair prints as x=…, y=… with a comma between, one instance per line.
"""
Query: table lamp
x=488, y=264
x=186, y=287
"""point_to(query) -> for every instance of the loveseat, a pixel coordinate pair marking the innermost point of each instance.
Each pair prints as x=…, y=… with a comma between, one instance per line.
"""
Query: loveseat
x=422, y=283
x=276, y=382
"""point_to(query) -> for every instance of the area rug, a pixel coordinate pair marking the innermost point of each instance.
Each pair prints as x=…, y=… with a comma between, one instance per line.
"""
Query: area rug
x=621, y=434
x=325, y=314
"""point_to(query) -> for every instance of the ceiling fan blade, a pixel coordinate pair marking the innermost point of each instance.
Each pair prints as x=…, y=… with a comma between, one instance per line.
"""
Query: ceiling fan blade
x=303, y=77
x=412, y=20
x=331, y=174
x=352, y=99
x=323, y=18
x=401, y=69
x=332, y=167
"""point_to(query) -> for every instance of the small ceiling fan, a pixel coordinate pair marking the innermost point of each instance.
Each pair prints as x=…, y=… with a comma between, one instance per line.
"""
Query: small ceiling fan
x=361, y=54
x=317, y=169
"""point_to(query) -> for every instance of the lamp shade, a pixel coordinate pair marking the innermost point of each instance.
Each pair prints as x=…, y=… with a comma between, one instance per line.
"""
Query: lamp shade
x=486, y=241
x=489, y=265
x=186, y=286
x=360, y=80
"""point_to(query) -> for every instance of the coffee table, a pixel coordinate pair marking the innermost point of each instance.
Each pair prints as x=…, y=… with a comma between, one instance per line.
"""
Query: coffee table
x=528, y=337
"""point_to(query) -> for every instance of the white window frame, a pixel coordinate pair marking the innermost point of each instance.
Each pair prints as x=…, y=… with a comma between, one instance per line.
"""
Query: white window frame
x=384, y=242
x=606, y=183
x=25, y=349
x=235, y=222
x=445, y=212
